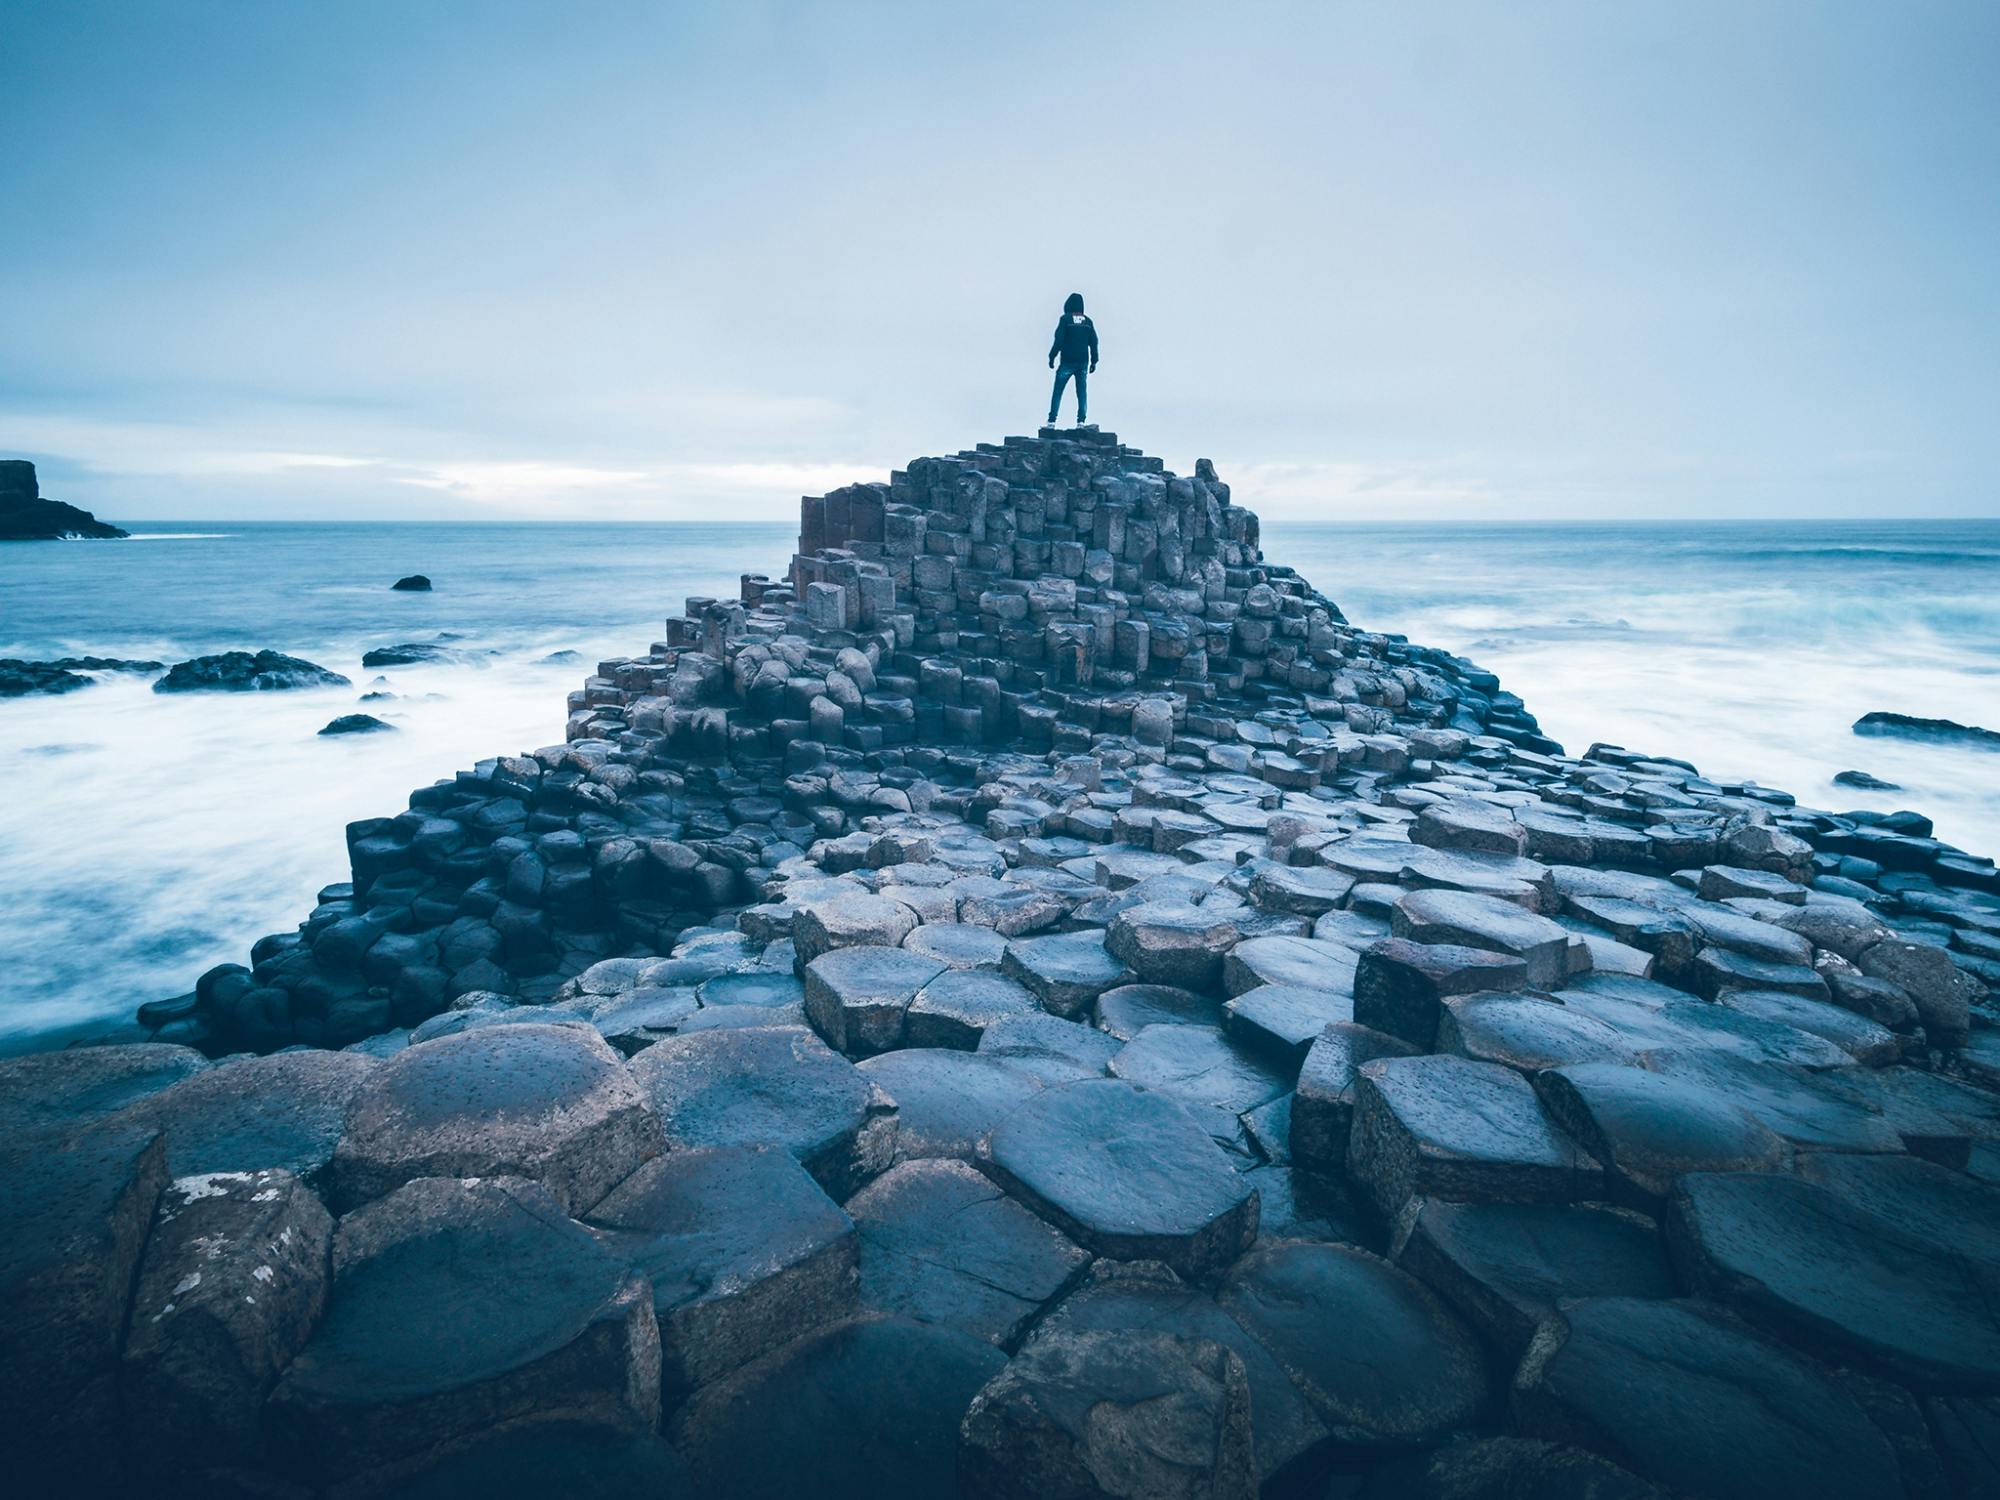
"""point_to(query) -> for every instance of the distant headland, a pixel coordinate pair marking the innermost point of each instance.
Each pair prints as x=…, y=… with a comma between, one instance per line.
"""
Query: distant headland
x=26, y=516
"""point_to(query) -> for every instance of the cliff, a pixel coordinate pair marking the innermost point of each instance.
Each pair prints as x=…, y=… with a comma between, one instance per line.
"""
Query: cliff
x=26, y=517
x=1033, y=1000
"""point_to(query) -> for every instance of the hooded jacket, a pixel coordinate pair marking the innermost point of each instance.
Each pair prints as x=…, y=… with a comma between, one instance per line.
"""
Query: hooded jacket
x=1075, y=341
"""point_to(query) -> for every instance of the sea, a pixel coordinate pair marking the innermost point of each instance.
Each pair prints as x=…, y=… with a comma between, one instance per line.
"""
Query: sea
x=145, y=837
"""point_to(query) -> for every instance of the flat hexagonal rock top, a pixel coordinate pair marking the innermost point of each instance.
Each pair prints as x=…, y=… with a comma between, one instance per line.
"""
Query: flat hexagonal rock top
x=1832, y=1271
x=1685, y=1395
x=1307, y=962
x=1127, y=1172
x=1527, y=1032
x=545, y=1324
x=1283, y=1020
x=1145, y=1296
x=856, y=997
x=1066, y=971
x=742, y=1248
x=941, y=1244
x=955, y=1008
x=1447, y=1127
x=1798, y=1105
x=1203, y=1068
x=1129, y=1009
x=776, y=1085
x=1054, y=1050
x=1857, y=1036
x=287, y=1110
x=947, y=1100
x=1463, y=919
x=1504, y=1266
x=1381, y=1360
x=1648, y=1129
x=62, y=1090
x=870, y=1407
x=958, y=945
x=1150, y=1413
x=551, y=1103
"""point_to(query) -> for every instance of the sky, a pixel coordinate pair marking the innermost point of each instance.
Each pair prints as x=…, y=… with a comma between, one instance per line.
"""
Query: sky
x=1378, y=261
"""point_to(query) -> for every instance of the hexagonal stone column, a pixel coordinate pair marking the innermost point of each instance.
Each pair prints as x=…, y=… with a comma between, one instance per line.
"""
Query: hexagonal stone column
x=287, y=1110
x=947, y=1100
x=1170, y=942
x=856, y=997
x=1504, y=1266
x=545, y=1323
x=1382, y=1361
x=1470, y=921
x=1449, y=1128
x=743, y=1251
x=1894, y=1266
x=955, y=1008
x=1400, y=986
x=942, y=1244
x=1603, y=1369
x=550, y=1103
x=1648, y=1130
x=233, y=1280
x=772, y=1085
x=1126, y=1172
x=1092, y=1413
x=1066, y=971
x=1323, y=1103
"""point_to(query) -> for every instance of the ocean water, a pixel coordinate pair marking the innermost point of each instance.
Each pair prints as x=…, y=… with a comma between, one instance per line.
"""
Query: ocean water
x=145, y=837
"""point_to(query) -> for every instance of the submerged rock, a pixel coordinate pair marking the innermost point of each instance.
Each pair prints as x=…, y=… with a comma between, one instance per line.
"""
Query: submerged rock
x=1907, y=726
x=357, y=724
x=242, y=672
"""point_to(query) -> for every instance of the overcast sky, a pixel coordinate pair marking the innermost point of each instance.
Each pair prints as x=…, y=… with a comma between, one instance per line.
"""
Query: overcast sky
x=679, y=261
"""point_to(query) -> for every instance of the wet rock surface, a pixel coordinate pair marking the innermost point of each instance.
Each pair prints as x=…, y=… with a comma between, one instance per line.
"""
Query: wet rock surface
x=1037, y=946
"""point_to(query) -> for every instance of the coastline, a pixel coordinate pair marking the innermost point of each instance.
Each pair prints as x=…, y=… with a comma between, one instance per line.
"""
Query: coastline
x=1036, y=857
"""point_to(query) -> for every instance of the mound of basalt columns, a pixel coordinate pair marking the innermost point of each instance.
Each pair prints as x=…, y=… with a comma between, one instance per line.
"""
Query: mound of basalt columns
x=1033, y=1000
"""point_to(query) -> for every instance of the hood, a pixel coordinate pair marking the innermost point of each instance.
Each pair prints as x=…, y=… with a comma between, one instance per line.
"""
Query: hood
x=1074, y=304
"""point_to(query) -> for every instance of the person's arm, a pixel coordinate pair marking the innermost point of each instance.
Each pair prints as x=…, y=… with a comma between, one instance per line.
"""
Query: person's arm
x=1091, y=329
x=1055, y=344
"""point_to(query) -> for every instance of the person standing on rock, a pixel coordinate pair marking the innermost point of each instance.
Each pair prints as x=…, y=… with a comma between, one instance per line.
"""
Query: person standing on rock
x=1075, y=345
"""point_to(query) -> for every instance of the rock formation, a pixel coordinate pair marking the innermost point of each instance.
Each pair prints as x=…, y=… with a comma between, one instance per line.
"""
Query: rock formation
x=25, y=516
x=1035, y=1001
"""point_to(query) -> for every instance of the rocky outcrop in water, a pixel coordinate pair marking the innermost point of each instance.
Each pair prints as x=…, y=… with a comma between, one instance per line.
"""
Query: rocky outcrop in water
x=63, y=675
x=1035, y=1001
x=1949, y=731
x=25, y=516
x=415, y=583
x=244, y=672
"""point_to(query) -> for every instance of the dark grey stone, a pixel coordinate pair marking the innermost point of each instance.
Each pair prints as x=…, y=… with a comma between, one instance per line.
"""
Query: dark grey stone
x=1066, y=971
x=1465, y=920
x=1323, y=1104
x=743, y=1252
x=1447, y=1127
x=60, y=1091
x=940, y=1243
x=1380, y=1359
x=1112, y=1413
x=545, y=1325
x=1688, y=1397
x=868, y=1408
x=1125, y=1172
x=856, y=996
x=955, y=1008
x=1527, y=1032
x=1129, y=1009
x=1400, y=986
x=1283, y=1020
x=550, y=1103
x=1504, y=1266
x=233, y=1279
x=1647, y=1130
x=947, y=1100
x=779, y=1086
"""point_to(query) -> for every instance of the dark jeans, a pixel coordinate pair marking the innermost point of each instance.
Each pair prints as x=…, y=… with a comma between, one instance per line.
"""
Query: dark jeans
x=1063, y=377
